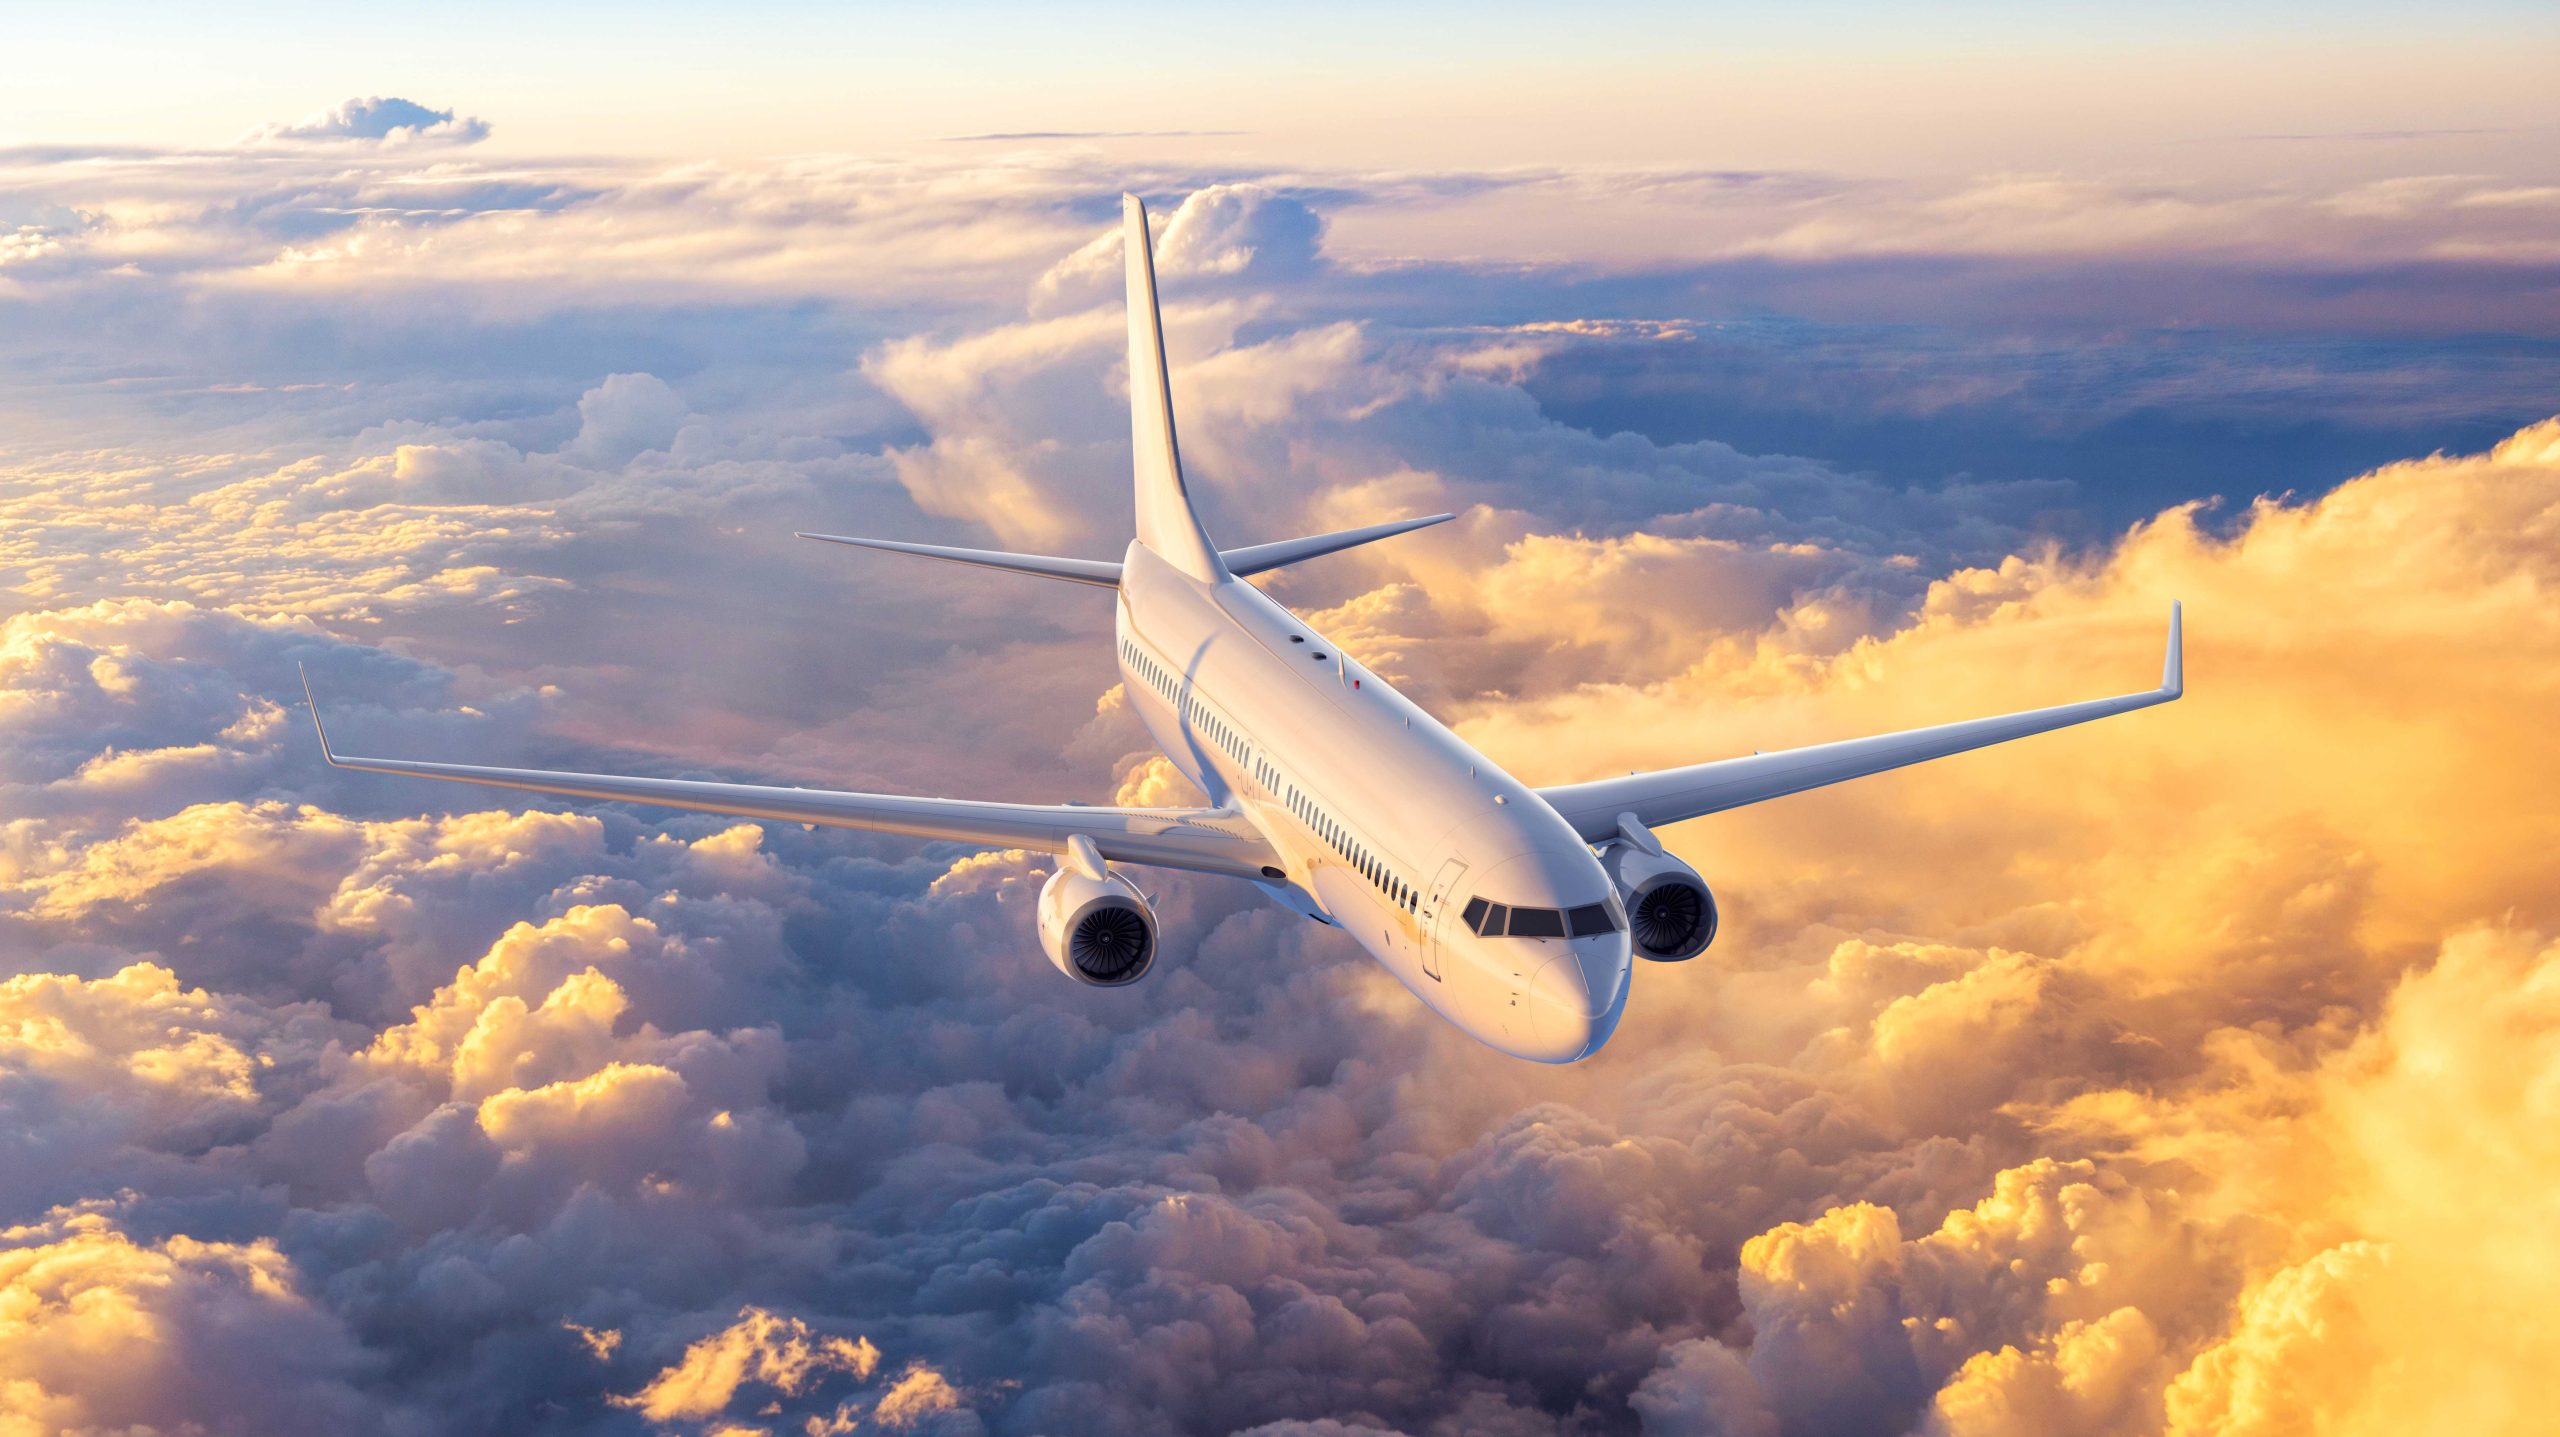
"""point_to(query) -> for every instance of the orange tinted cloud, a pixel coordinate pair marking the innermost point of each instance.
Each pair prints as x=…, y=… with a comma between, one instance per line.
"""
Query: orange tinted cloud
x=2264, y=976
x=778, y=1352
x=2134, y=1077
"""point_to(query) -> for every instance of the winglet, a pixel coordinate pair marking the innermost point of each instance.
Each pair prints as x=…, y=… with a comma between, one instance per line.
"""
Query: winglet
x=2173, y=670
x=314, y=704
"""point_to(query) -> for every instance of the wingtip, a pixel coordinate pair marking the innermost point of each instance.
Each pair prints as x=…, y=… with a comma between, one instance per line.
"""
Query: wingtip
x=2173, y=670
x=317, y=728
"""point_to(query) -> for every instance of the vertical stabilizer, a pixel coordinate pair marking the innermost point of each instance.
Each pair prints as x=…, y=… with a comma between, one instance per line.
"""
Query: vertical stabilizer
x=1166, y=523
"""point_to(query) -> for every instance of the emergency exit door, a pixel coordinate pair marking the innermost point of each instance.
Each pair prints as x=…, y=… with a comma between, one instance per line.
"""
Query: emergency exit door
x=1443, y=889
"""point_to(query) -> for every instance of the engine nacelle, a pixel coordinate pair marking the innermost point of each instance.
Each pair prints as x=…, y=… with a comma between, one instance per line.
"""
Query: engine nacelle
x=1671, y=913
x=1096, y=925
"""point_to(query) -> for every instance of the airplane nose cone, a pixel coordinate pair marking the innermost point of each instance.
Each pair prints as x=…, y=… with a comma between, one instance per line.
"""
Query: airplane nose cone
x=1574, y=999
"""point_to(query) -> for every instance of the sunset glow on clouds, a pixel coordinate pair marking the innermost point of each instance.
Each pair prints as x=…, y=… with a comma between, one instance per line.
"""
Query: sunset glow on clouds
x=2192, y=1073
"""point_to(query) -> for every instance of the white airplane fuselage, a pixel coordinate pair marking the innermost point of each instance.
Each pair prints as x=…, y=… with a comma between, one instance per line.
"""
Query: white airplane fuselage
x=1386, y=823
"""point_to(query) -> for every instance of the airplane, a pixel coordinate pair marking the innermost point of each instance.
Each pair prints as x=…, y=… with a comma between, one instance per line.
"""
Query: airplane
x=1511, y=911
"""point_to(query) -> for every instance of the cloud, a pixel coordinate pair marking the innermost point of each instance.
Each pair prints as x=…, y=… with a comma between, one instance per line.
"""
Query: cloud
x=1228, y=232
x=190, y=1329
x=919, y=1394
x=778, y=1352
x=1703, y=1389
x=2068, y=1087
x=135, y=1076
x=626, y=416
x=378, y=120
x=1193, y=1161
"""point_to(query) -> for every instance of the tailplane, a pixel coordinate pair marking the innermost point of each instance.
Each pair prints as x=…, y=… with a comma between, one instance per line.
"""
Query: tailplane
x=1166, y=522
x=1255, y=559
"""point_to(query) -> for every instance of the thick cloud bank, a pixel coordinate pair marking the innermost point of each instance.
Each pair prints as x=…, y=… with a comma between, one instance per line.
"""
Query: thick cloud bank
x=2190, y=1073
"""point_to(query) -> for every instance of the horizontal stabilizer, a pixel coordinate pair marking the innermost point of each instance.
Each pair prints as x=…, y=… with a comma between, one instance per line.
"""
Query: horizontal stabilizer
x=1261, y=558
x=1074, y=571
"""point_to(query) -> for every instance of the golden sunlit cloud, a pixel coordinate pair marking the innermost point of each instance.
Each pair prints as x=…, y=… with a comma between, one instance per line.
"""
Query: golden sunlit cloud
x=2189, y=1073
x=778, y=1352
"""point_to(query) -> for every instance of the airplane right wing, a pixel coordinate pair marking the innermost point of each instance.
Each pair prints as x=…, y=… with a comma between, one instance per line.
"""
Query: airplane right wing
x=1669, y=795
x=1200, y=840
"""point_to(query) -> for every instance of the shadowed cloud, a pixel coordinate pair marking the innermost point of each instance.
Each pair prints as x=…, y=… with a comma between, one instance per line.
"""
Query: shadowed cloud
x=2074, y=1087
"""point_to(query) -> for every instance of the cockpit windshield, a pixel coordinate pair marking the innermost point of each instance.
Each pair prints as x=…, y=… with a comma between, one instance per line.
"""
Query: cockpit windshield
x=1494, y=920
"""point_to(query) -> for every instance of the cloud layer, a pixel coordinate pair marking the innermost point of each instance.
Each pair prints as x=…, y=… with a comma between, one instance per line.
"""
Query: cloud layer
x=2177, y=1075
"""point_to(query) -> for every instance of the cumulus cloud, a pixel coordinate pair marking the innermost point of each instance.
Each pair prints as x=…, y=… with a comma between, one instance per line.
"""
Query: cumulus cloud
x=777, y=1352
x=188, y=1329
x=377, y=120
x=2072, y=1087
x=1244, y=232
x=626, y=416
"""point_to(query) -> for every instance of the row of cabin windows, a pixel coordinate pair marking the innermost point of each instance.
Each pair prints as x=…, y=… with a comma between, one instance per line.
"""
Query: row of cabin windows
x=1366, y=864
x=1156, y=675
x=1202, y=721
x=1494, y=920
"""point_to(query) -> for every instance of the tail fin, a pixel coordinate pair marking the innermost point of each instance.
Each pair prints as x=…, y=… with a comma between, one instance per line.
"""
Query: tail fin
x=1166, y=522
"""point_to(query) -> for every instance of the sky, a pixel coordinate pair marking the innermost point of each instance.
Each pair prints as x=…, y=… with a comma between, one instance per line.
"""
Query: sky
x=1795, y=374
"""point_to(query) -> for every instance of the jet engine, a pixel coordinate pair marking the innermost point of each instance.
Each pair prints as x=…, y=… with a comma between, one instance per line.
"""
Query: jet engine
x=1095, y=924
x=1671, y=914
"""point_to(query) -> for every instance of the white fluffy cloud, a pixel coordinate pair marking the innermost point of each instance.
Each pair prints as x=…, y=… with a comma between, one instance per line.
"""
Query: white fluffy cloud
x=1993, y=1111
x=103, y=1333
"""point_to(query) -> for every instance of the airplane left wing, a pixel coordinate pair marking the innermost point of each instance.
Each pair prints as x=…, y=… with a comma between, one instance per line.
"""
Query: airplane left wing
x=1669, y=795
x=1201, y=840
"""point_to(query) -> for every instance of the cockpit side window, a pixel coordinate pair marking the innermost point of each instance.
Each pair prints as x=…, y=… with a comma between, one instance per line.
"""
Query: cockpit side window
x=1474, y=915
x=1491, y=927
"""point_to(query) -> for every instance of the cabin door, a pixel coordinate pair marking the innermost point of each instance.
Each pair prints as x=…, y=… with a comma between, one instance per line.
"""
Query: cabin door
x=1443, y=888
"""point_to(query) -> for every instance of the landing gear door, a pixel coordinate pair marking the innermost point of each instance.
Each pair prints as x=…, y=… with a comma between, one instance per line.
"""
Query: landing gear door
x=1444, y=890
